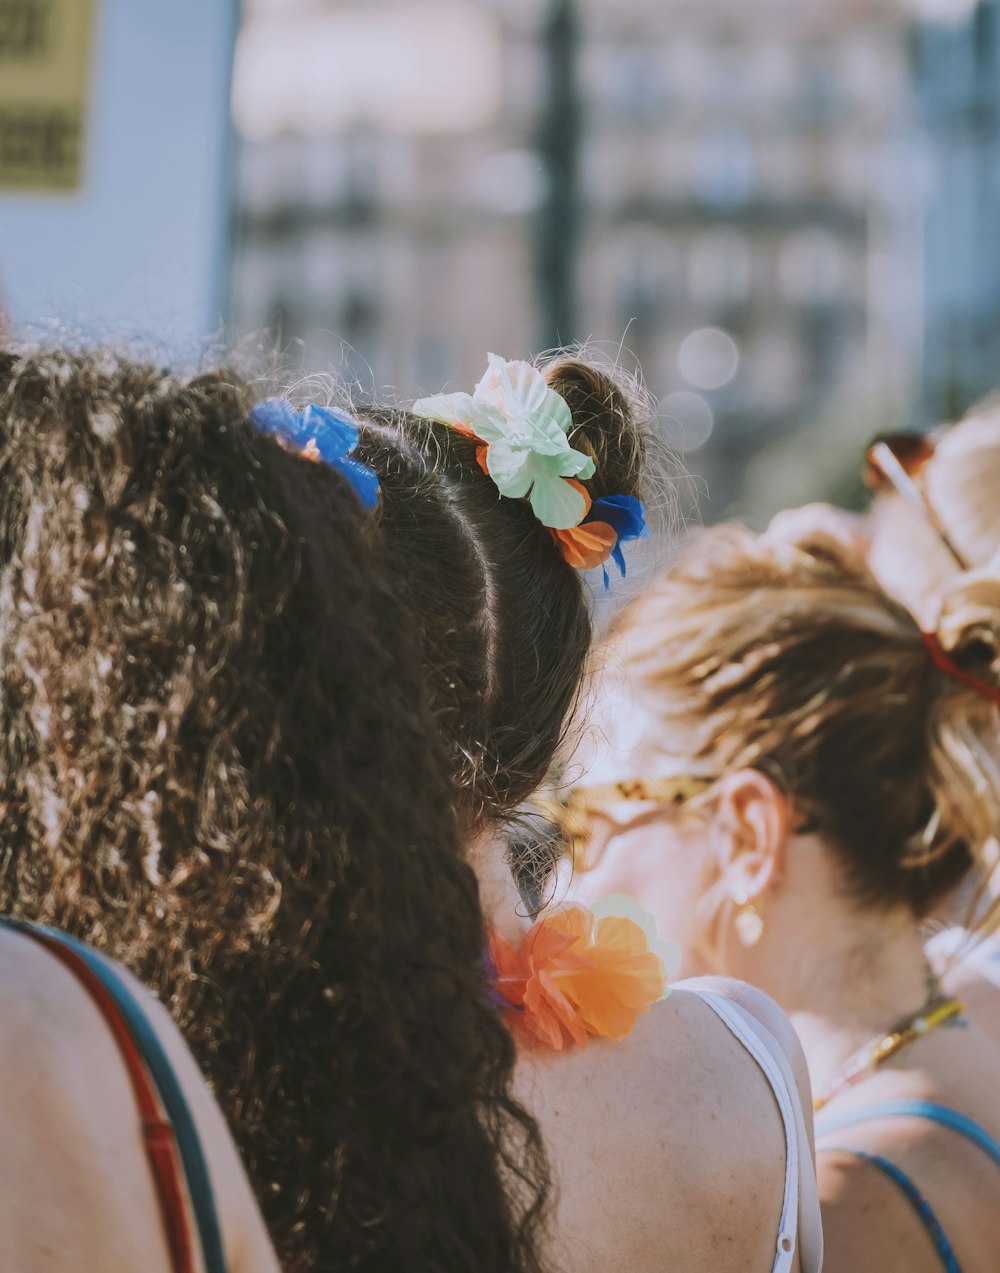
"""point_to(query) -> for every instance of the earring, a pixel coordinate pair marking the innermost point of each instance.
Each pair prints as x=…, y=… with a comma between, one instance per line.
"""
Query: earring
x=749, y=922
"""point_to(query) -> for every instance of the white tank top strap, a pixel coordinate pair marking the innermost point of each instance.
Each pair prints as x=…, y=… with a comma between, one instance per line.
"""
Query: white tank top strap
x=800, y=1224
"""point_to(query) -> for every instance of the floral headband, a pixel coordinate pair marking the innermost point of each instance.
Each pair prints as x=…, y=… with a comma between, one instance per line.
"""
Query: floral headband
x=522, y=427
x=318, y=433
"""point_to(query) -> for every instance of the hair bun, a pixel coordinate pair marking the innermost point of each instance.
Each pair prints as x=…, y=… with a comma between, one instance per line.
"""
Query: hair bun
x=610, y=421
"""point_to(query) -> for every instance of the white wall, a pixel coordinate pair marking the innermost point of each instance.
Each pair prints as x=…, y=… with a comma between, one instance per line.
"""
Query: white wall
x=140, y=249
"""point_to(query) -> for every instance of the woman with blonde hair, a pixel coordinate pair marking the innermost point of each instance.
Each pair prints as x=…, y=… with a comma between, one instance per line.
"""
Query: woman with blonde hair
x=790, y=775
x=934, y=518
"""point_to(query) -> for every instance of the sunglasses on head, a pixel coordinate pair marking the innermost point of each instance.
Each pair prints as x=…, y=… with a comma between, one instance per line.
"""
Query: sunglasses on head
x=574, y=813
x=895, y=461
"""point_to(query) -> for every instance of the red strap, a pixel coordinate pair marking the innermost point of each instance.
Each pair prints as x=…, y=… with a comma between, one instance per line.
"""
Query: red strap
x=945, y=663
x=158, y=1132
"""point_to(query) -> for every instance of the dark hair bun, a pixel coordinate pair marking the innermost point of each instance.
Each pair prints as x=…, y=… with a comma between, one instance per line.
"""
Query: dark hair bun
x=609, y=422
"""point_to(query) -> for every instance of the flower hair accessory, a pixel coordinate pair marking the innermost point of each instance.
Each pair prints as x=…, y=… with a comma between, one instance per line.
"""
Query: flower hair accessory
x=612, y=520
x=523, y=428
x=582, y=973
x=318, y=433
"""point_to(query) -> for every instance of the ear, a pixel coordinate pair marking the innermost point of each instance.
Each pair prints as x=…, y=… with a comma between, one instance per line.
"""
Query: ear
x=749, y=832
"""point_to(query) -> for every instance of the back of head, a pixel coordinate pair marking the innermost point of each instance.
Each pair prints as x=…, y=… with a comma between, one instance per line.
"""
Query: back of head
x=788, y=658
x=504, y=618
x=218, y=765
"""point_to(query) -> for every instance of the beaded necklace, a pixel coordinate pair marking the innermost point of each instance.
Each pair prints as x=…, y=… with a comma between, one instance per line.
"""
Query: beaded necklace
x=937, y=1010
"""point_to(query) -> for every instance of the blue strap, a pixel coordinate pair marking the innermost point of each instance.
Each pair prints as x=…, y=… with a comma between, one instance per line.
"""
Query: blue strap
x=162, y=1072
x=916, y=1199
x=934, y=1113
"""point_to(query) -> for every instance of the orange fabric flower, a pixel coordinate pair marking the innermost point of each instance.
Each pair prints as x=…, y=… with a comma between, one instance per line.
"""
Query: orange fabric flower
x=579, y=975
x=587, y=546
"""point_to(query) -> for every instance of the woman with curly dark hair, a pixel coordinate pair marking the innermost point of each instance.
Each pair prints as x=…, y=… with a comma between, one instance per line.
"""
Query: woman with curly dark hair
x=216, y=764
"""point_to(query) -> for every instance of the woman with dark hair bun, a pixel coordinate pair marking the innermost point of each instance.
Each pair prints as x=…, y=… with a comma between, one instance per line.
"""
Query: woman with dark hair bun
x=677, y=1135
x=496, y=593
x=217, y=765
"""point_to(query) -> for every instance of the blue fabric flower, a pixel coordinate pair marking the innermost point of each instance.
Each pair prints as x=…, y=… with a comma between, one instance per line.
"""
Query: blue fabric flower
x=318, y=433
x=626, y=517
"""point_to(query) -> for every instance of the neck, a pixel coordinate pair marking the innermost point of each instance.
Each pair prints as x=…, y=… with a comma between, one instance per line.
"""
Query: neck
x=850, y=982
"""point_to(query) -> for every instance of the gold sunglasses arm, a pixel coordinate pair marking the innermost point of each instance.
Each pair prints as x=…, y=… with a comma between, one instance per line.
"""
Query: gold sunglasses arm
x=572, y=813
x=675, y=790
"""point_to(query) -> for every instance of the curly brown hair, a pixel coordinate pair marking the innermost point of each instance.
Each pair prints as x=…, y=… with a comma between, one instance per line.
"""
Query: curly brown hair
x=217, y=764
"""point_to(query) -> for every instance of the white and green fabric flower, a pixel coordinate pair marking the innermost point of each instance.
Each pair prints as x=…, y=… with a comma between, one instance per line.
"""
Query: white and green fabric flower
x=525, y=427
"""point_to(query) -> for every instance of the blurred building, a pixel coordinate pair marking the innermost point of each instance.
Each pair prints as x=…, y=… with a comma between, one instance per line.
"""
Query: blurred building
x=735, y=192
x=387, y=188
x=750, y=168
x=956, y=76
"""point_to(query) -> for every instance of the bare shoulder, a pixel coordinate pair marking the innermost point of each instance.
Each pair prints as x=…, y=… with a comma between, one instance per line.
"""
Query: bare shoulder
x=872, y=1173
x=754, y=1001
x=72, y=1167
x=667, y=1147
x=52, y=1026
x=47, y=1017
x=679, y=1063
x=868, y=1226
x=69, y=1116
x=764, y=1010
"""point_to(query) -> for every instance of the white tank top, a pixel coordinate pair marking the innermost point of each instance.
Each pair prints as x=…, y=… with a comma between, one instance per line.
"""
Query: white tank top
x=800, y=1225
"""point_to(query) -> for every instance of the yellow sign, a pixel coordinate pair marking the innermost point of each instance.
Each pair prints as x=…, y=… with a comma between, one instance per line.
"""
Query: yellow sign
x=45, y=52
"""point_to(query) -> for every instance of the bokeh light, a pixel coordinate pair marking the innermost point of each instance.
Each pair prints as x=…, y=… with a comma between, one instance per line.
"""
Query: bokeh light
x=708, y=359
x=686, y=421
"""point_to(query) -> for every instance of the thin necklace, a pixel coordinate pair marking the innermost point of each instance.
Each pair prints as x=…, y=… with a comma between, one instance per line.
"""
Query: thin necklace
x=938, y=1008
